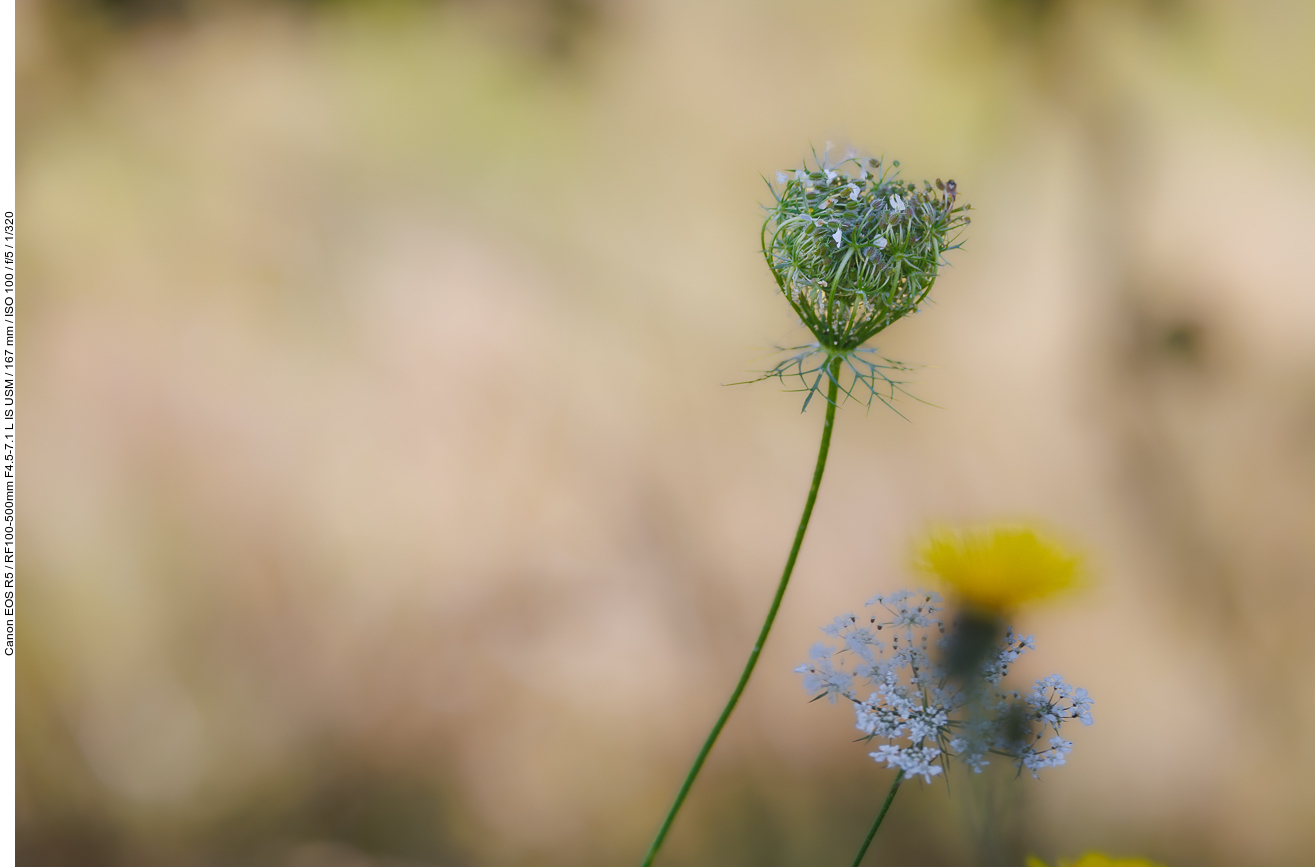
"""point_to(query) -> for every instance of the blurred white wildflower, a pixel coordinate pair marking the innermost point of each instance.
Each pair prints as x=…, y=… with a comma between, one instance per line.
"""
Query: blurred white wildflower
x=925, y=715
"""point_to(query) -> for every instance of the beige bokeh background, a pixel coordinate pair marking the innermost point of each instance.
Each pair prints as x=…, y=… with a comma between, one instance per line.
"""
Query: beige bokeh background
x=382, y=503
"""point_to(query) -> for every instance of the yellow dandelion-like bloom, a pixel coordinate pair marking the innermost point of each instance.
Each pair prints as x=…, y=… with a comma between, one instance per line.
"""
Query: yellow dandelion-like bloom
x=998, y=568
x=1097, y=859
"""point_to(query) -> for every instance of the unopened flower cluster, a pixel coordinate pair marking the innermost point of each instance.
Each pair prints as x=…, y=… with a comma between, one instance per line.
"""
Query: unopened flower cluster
x=854, y=249
x=924, y=716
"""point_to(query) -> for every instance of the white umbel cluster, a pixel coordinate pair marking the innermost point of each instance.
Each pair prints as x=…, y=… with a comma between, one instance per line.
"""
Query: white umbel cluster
x=925, y=716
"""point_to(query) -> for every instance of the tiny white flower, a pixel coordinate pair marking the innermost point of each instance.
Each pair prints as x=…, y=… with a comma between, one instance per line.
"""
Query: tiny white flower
x=837, y=237
x=880, y=243
x=831, y=176
x=861, y=641
x=822, y=675
x=853, y=192
x=820, y=651
x=913, y=761
x=897, y=204
x=782, y=178
x=888, y=754
x=800, y=174
x=1082, y=706
x=976, y=761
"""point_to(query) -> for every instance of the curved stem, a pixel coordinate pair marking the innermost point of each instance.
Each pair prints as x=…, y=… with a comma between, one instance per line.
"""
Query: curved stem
x=872, y=832
x=831, y=397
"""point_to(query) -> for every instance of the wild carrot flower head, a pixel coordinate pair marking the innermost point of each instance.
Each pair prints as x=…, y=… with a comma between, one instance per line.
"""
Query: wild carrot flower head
x=924, y=713
x=1096, y=859
x=854, y=249
x=996, y=569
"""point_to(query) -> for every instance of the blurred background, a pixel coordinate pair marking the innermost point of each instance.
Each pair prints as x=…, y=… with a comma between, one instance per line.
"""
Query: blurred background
x=383, y=503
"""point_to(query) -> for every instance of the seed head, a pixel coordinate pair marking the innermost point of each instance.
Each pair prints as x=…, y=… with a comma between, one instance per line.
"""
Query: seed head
x=854, y=252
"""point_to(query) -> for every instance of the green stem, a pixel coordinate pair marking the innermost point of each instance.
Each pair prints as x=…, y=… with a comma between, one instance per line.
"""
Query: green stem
x=872, y=832
x=832, y=394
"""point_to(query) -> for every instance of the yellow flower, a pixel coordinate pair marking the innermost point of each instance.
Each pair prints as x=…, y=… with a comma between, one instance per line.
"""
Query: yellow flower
x=998, y=568
x=1096, y=859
